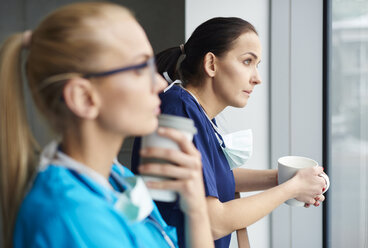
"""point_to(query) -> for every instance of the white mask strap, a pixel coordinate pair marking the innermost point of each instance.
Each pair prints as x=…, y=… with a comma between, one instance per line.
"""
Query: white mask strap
x=167, y=77
x=172, y=84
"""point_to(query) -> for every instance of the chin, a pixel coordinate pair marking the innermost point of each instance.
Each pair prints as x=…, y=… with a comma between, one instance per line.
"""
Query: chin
x=240, y=104
x=243, y=105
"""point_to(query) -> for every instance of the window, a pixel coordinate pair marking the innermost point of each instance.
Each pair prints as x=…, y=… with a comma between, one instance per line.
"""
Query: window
x=346, y=110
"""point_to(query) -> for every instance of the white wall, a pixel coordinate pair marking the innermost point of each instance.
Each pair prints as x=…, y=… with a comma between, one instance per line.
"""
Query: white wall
x=256, y=114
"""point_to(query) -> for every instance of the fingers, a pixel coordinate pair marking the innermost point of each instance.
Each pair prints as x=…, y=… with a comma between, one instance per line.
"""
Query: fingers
x=327, y=181
x=185, y=177
x=315, y=202
x=318, y=200
x=178, y=186
x=168, y=170
x=185, y=145
x=187, y=156
x=314, y=186
x=321, y=174
x=191, y=191
x=318, y=180
x=174, y=156
x=317, y=170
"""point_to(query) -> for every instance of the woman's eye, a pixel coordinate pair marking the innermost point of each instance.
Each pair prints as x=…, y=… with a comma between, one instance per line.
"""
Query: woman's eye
x=139, y=71
x=247, y=61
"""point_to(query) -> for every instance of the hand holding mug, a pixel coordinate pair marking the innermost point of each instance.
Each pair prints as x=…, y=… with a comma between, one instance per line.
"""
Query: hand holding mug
x=312, y=182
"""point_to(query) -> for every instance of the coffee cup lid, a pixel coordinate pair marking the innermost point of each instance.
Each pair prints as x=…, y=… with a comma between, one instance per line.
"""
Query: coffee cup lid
x=177, y=122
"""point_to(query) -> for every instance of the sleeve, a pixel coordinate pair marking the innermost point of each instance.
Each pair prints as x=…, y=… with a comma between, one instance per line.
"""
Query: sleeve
x=201, y=139
x=84, y=228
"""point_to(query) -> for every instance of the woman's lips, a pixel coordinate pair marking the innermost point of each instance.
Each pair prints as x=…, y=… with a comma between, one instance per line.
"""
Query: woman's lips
x=158, y=110
x=248, y=91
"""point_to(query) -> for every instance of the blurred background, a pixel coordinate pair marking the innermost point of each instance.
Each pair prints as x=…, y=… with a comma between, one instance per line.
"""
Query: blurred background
x=347, y=124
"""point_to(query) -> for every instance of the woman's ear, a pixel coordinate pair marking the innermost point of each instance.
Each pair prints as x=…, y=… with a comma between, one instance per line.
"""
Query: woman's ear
x=209, y=64
x=81, y=98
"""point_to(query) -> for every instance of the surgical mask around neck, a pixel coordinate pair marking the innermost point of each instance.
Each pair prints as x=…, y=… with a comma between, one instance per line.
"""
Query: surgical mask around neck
x=237, y=147
x=134, y=202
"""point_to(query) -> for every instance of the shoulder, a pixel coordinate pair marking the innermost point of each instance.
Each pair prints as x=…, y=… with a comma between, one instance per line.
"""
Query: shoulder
x=178, y=101
x=60, y=186
x=58, y=204
x=55, y=190
x=80, y=226
x=172, y=95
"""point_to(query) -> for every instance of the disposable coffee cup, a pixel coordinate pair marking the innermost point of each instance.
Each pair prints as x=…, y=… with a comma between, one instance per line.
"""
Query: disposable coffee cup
x=182, y=124
x=288, y=166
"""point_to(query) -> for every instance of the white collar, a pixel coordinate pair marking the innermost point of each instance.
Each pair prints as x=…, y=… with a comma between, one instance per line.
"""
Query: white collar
x=51, y=155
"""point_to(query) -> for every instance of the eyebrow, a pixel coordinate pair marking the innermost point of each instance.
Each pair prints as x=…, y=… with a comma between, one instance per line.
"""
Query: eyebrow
x=142, y=56
x=251, y=53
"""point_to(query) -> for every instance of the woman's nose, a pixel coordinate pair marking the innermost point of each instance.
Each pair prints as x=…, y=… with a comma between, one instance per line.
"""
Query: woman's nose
x=160, y=83
x=256, y=79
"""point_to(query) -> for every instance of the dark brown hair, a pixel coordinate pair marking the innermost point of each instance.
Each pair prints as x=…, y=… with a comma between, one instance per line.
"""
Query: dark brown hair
x=216, y=35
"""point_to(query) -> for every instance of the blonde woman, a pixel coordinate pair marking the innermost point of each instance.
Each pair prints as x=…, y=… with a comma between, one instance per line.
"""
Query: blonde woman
x=91, y=72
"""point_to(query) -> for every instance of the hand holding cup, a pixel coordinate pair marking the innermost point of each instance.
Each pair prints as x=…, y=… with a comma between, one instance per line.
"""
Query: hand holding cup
x=169, y=157
x=312, y=181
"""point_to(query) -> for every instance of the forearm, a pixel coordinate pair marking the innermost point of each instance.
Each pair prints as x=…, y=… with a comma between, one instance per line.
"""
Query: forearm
x=198, y=229
x=239, y=213
x=252, y=180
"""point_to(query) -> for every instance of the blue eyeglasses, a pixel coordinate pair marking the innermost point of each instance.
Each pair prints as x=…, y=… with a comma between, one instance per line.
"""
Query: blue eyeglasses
x=150, y=63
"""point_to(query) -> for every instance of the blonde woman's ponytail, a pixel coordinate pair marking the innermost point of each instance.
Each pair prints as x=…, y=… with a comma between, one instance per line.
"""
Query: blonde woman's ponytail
x=17, y=146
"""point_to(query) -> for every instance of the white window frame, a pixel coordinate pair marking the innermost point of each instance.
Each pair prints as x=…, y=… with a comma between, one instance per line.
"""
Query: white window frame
x=296, y=92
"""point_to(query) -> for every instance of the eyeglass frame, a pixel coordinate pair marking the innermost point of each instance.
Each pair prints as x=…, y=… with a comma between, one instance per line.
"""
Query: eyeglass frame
x=150, y=62
x=65, y=76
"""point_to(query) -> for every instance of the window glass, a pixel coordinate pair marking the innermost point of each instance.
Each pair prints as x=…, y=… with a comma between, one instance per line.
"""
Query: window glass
x=347, y=208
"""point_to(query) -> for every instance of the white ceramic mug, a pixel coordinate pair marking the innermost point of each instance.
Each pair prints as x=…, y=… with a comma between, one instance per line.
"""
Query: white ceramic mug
x=186, y=126
x=288, y=167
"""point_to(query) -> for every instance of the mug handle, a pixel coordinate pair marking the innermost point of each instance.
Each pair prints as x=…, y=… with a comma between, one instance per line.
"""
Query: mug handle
x=327, y=179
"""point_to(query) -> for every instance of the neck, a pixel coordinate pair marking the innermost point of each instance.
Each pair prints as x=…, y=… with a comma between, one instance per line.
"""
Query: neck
x=92, y=147
x=207, y=98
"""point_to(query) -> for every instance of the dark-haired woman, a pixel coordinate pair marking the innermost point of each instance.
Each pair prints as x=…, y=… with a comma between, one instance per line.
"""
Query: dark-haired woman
x=219, y=68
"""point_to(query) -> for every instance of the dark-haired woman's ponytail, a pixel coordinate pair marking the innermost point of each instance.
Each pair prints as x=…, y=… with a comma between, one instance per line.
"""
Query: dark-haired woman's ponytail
x=167, y=60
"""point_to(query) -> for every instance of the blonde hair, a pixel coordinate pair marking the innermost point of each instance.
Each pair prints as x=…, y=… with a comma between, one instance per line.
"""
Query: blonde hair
x=66, y=42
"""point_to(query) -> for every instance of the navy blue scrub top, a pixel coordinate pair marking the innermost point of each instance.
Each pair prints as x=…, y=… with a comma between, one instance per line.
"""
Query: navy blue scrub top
x=218, y=178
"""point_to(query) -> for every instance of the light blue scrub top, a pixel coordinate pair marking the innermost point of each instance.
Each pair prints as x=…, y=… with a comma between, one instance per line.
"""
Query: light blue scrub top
x=68, y=209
